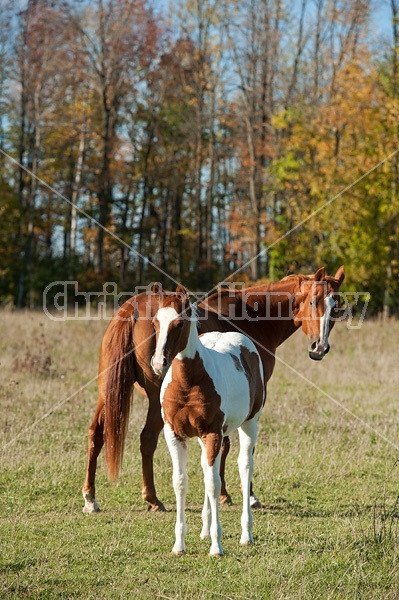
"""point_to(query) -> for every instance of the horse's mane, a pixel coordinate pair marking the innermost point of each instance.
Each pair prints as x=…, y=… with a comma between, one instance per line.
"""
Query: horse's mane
x=230, y=292
x=301, y=278
x=294, y=277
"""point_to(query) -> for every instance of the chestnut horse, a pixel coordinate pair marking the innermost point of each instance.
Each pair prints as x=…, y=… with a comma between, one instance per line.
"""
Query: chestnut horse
x=267, y=314
x=214, y=386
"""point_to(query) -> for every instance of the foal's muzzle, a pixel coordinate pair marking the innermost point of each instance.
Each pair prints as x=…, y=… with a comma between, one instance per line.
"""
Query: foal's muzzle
x=317, y=350
x=159, y=366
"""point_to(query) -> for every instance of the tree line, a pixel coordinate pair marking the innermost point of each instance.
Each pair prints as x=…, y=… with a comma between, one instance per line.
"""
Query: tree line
x=192, y=136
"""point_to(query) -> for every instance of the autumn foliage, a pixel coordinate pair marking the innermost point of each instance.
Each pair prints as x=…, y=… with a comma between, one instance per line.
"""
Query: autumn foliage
x=203, y=138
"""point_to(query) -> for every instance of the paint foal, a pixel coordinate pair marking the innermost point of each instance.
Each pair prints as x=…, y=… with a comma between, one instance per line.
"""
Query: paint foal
x=213, y=387
x=268, y=314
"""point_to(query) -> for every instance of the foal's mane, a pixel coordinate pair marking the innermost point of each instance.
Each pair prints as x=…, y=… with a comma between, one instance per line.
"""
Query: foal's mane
x=190, y=307
x=194, y=313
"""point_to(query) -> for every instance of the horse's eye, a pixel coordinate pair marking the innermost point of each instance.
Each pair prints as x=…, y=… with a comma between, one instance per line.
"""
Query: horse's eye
x=180, y=324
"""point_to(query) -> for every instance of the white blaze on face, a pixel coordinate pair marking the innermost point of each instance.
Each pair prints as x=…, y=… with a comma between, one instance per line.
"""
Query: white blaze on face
x=329, y=304
x=165, y=317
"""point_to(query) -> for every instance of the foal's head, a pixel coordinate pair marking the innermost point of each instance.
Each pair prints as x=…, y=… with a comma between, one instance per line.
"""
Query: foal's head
x=172, y=326
x=318, y=301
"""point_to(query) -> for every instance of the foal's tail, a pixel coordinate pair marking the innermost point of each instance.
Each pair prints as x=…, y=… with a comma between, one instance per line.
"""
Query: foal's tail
x=120, y=379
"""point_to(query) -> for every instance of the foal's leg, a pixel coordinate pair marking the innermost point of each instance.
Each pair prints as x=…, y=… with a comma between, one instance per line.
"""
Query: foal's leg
x=253, y=499
x=178, y=452
x=247, y=434
x=95, y=443
x=212, y=490
x=148, y=443
x=206, y=510
x=225, y=497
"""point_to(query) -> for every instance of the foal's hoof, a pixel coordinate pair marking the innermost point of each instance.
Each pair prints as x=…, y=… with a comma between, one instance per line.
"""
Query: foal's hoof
x=91, y=505
x=254, y=502
x=246, y=542
x=226, y=499
x=157, y=507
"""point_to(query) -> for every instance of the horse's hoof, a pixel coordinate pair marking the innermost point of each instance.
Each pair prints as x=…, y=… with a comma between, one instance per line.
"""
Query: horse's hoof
x=254, y=502
x=226, y=499
x=157, y=507
x=91, y=505
x=178, y=552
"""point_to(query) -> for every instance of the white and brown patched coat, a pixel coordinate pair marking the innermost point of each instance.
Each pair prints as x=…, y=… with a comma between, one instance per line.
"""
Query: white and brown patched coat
x=214, y=386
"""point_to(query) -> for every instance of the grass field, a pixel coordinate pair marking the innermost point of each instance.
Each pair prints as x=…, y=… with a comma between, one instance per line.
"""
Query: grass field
x=325, y=471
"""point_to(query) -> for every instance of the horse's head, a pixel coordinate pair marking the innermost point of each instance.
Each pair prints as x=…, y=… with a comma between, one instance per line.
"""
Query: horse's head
x=172, y=326
x=317, y=302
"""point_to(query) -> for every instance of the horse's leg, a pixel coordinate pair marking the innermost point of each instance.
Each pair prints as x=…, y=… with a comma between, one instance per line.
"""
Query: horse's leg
x=225, y=497
x=178, y=452
x=247, y=434
x=148, y=443
x=95, y=443
x=212, y=489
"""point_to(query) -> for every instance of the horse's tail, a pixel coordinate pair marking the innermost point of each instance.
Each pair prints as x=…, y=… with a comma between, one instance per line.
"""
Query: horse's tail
x=119, y=386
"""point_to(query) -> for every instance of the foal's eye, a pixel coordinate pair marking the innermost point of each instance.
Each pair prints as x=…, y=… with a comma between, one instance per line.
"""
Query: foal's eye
x=180, y=324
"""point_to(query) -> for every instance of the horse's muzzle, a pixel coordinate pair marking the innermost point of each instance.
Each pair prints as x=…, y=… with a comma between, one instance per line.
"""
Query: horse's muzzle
x=317, y=351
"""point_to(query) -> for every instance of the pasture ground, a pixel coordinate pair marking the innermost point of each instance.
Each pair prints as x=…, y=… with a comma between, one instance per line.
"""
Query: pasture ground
x=325, y=470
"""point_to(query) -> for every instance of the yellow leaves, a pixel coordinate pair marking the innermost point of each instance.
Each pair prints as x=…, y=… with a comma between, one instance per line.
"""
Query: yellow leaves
x=286, y=118
x=280, y=120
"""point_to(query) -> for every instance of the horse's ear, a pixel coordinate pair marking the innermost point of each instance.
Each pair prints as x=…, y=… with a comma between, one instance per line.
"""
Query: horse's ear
x=181, y=290
x=320, y=274
x=157, y=289
x=340, y=275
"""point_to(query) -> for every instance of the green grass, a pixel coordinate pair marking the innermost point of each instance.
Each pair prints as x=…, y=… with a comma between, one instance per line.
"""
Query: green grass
x=324, y=470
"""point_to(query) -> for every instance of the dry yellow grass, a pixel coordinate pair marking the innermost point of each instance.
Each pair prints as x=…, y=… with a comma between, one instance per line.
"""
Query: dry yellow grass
x=324, y=469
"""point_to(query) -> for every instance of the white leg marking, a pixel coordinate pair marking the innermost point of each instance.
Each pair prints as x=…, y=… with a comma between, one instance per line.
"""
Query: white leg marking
x=247, y=434
x=91, y=505
x=178, y=452
x=213, y=486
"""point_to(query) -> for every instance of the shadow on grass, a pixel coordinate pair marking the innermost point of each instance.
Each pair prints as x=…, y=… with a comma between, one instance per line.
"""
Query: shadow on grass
x=304, y=510
x=282, y=507
x=16, y=567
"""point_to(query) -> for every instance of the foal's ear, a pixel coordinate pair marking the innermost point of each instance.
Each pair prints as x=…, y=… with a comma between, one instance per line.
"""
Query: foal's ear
x=183, y=293
x=157, y=289
x=340, y=275
x=320, y=274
